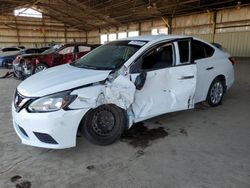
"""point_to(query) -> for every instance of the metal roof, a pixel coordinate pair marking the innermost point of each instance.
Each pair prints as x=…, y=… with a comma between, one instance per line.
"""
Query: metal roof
x=95, y=14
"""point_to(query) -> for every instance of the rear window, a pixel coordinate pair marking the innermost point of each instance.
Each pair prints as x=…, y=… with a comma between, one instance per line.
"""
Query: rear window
x=201, y=50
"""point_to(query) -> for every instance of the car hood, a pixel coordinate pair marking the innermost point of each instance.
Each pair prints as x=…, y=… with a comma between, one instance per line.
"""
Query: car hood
x=60, y=78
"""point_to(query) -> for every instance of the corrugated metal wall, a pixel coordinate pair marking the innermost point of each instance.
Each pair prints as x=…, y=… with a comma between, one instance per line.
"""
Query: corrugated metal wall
x=36, y=32
x=237, y=43
x=234, y=39
x=232, y=30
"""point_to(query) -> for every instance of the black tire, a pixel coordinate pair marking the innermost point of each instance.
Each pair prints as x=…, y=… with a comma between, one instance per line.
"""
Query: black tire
x=40, y=67
x=104, y=125
x=216, y=92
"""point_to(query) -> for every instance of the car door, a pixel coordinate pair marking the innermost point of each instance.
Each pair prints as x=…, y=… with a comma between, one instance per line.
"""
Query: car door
x=170, y=81
x=206, y=68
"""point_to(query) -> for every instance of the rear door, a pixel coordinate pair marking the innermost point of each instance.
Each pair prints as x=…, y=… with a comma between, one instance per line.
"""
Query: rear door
x=206, y=68
x=170, y=80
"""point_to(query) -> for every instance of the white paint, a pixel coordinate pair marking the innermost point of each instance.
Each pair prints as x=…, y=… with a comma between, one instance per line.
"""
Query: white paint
x=59, y=78
x=120, y=92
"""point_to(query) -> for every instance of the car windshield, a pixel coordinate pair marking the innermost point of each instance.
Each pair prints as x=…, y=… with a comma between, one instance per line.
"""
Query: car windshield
x=52, y=49
x=109, y=56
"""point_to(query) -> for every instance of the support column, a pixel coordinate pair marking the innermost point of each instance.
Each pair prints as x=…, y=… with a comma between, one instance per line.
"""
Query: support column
x=44, y=31
x=17, y=32
x=65, y=34
x=213, y=20
x=86, y=37
x=168, y=23
x=139, y=28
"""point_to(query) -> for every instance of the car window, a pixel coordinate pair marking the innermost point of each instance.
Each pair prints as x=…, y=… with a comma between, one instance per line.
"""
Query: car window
x=201, y=50
x=67, y=50
x=109, y=56
x=31, y=51
x=84, y=48
x=157, y=58
x=184, y=51
x=10, y=49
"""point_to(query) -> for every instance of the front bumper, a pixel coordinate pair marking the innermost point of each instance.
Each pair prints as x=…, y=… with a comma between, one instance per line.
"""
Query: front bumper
x=56, y=130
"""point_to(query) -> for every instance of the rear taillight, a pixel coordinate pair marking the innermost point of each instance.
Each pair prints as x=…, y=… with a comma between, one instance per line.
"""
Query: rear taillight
x=232, y=60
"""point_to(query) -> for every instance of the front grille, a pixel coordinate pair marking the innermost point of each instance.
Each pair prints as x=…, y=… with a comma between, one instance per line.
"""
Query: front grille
x=19, y=101
x=45, y=138
x=23, y=131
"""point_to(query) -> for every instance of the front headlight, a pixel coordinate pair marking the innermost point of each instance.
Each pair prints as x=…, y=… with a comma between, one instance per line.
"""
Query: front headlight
x=52, y=102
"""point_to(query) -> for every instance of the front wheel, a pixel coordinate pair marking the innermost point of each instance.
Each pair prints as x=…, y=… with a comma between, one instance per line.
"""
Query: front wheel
x=104, y=125
x=216, y=92
x=40, y=67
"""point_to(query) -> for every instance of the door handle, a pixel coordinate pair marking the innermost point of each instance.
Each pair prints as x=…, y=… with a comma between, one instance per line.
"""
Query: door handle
x=209, y=68
x=186, y=77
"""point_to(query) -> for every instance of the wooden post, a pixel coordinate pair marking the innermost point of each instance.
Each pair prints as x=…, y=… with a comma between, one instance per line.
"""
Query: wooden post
x=65, y=34
x=213, y=20
x=86, y=37
x=17, y=32
x=139, y=28
x=168, y=23
x=44, y=31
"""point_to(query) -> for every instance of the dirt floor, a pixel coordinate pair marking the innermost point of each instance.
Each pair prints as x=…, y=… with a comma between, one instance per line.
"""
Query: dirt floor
x=201, y=148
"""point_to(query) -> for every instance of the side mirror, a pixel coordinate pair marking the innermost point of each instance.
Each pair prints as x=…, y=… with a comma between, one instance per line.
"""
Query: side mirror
x=140, y=80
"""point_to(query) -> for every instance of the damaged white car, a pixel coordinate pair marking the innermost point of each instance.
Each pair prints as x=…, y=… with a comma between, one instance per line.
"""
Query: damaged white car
x=120, y=83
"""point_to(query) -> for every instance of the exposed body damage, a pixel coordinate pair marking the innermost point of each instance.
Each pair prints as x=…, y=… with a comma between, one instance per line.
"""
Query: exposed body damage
x=116, y=85
x=120, y=91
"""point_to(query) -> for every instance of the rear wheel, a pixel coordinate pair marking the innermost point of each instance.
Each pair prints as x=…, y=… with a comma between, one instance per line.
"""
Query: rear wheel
x=40, y=67
x=104, y=125
x=216, y=92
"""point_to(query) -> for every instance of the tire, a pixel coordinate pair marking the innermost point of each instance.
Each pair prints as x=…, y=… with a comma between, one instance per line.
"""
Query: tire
x=104, y=125
x=40, y=67
x=216, y=92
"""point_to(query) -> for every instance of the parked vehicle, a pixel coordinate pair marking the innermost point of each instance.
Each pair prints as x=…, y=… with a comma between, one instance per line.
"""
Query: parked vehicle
x=26, y=65
x=120, y=83
x=9, y=49
x=8, y=57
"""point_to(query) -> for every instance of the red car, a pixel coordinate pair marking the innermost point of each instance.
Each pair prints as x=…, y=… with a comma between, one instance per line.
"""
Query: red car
x=26, y=65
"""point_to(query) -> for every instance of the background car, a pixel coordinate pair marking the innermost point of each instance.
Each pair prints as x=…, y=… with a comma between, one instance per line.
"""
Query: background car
x=7, y=57
x=27, y=65
x=10, y=49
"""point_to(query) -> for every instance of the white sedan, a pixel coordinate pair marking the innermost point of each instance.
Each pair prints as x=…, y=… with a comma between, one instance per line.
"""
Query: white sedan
x=120, y=83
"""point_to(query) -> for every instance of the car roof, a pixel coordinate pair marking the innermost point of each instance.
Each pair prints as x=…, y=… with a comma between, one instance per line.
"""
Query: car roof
x=78, y=43
x=156, y=37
